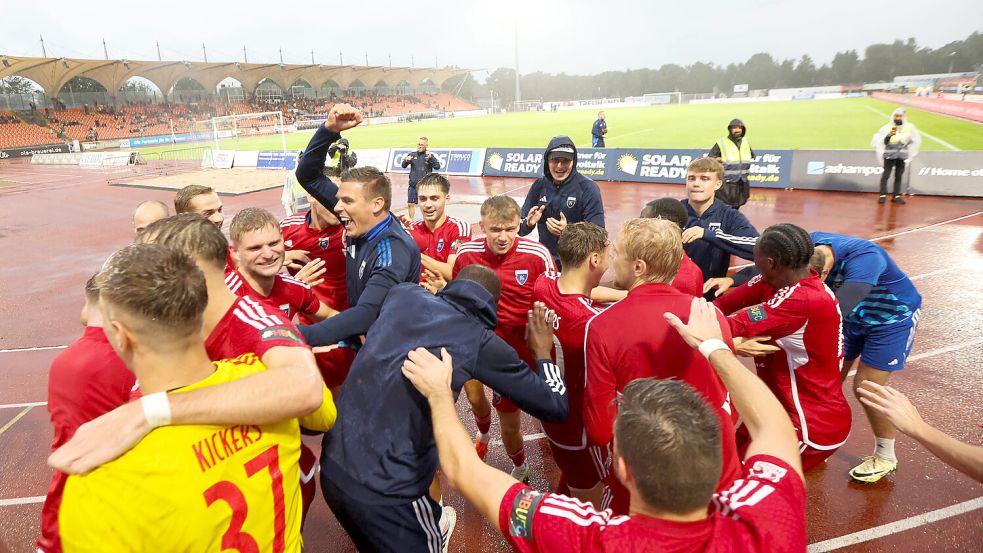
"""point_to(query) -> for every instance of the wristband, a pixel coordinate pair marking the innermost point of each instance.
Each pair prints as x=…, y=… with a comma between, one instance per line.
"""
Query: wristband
x=157, y=409
x=709, y=346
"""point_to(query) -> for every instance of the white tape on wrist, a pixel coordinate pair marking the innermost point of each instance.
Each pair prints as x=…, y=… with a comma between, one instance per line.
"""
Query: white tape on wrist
x=157, y=409
x=709, y=346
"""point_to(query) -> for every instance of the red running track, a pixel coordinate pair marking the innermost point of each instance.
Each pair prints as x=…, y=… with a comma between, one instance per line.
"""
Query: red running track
x=59, y=224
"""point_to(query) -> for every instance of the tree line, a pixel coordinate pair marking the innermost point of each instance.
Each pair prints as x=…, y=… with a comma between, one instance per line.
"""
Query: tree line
x=880, y=62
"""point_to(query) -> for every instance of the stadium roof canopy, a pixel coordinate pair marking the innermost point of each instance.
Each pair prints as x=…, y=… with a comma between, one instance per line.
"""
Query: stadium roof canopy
x=52, y=73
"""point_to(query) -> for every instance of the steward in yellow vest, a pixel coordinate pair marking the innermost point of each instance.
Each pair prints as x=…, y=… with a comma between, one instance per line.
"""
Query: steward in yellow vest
x=734, y=151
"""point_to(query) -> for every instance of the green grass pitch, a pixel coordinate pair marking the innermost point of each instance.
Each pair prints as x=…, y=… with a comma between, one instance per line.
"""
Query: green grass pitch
x=843, y=124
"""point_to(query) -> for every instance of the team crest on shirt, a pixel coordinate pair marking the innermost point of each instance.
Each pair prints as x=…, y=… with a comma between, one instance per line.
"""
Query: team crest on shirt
x=571, y=201
x=521, y=277
x=523, y=509
x=323, y=243
x=440, y=245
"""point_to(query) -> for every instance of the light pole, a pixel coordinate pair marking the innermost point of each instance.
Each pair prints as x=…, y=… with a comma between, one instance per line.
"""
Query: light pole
x=952, y=60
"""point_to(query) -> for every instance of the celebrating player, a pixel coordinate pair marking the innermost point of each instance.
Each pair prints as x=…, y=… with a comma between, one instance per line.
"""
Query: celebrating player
x=518, y=262
x=667, y=454
x=584, y=253
x=438, y=235
x=377, y=463
x=789, y=304
x=198, y=487
x=319, y=234
x=258, y=248
x=631, y=340
x=880, y=308
x=715, y=230
x=689, y=279
x=85, y=381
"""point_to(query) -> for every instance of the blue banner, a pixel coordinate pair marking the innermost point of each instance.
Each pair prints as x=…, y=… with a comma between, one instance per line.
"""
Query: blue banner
x=169, y=139
x=456, y=161
x=772, y=168
x=528, y=162
x=276, y=159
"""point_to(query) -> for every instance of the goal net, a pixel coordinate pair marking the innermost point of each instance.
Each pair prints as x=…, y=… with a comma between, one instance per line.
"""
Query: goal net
x=232, y=132
x=656, y=98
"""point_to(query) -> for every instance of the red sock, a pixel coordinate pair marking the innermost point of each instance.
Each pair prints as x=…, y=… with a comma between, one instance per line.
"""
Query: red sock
x=519, y=457
x=484, y=423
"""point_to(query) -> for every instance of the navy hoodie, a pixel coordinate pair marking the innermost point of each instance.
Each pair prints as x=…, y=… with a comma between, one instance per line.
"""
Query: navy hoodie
x=578, y=197
x=726, y=232
x=381, y=450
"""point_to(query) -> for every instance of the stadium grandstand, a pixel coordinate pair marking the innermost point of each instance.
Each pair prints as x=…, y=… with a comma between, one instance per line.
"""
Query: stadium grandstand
x=43, y=118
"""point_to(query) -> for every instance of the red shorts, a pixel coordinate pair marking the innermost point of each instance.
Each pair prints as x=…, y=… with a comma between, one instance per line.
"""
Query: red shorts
x=811, y=457
x=581, y=468
x=334, y=365
x=515, y=337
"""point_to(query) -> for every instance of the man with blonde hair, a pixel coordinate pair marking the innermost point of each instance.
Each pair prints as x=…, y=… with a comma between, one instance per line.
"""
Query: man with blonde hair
x=631, y=340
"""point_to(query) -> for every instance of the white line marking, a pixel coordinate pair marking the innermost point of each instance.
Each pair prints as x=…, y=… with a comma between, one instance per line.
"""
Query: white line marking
x=897, y=526
x=937, y=351
x=933, y=137
x=525, y=438
x=39, y=348
x=22, y=405
x=896, y=234
x=939, y=272
x=22, y=501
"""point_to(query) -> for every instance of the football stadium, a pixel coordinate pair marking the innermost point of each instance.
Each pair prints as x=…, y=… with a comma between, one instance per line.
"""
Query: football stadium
x=513, y=301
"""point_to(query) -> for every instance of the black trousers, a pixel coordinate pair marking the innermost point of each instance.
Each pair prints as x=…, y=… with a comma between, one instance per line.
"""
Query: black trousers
x=898, y=165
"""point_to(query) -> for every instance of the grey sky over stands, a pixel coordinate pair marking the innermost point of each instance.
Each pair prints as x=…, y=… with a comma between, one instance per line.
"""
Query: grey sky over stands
x=572, y=36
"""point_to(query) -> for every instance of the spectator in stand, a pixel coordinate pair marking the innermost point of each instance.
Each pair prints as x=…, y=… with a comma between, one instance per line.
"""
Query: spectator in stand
x=735, y=152
x=667, y=454
x=561, y=196
x=421, y=162
x=598, y=131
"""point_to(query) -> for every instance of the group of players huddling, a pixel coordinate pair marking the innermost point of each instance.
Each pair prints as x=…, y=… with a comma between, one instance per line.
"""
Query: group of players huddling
x=178, y=414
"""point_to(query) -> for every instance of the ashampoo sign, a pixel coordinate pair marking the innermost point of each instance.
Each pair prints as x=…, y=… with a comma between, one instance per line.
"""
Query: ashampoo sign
x=9, y=153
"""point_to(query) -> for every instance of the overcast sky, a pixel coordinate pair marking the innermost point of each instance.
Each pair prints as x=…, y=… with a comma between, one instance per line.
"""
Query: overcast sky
x=574, y=36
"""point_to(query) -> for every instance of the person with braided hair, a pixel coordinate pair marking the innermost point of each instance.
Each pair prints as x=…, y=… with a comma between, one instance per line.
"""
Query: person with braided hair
x=789, y=306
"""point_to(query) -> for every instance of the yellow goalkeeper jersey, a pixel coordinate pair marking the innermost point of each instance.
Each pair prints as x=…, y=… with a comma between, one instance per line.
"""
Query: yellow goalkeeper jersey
x=196, y=488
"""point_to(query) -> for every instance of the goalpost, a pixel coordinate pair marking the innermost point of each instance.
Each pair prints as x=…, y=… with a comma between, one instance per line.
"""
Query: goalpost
x=247, y=124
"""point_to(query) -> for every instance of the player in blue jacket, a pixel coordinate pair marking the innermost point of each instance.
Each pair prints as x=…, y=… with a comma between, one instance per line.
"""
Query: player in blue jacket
x=715, y=231
x=381, y=253
x=380, y=458
x=560, y=197
x=880, y=308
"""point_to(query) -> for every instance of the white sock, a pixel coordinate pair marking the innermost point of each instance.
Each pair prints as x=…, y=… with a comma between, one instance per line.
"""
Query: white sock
x=884, y=449
x=443, y=523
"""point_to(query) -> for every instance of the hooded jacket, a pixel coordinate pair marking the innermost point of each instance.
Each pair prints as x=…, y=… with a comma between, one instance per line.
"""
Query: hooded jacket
x=381, y=450
x=726, y=232
x=903, y=145
x=736, y=189
x=343, y=159
x=578, y=197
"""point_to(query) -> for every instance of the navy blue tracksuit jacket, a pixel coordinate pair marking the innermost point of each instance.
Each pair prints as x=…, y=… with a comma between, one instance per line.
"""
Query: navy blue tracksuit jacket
x=726, y=232
x=381, y=450
x=578, y=197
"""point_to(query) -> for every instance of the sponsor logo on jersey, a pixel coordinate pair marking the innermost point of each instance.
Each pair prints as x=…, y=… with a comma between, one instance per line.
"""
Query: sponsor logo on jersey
x=322, y=243
x=288, y=243
x=571, y=201
x=521, y=277
x=523, y=509
x=757, y=314
x=279, y=333
x=543, y=199
x=440, y=245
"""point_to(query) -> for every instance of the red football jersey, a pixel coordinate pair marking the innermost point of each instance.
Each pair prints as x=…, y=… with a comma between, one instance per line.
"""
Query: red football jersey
x=230, y=264
x=327, y=244
x=292, y=296
x=86, y=380
x=518, y=270
x=689, y=279
x=443, y=241
x=251, y=326
x=763, y=511
x=568, y=314
x=631, y=340
x=804, y=321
